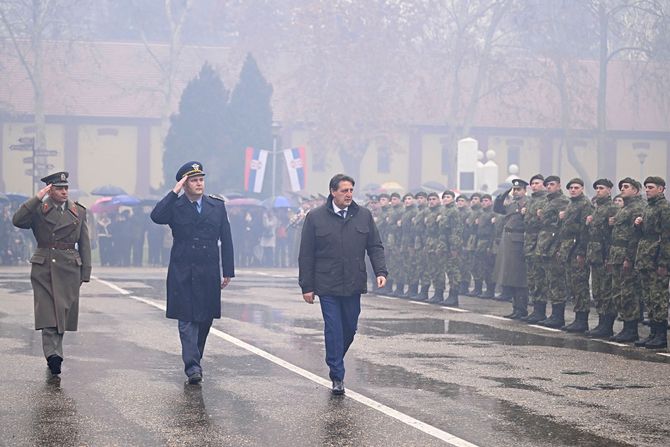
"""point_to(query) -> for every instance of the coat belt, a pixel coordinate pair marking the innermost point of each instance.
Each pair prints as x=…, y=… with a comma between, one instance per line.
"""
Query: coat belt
x=57, y=245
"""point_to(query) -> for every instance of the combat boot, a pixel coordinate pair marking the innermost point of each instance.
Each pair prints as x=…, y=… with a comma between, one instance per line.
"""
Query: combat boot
x=465, y=286
x=477, y=291
x=438, y=297
x=539, y=313
x=490, y=291
x=412, y=290
x=628, y=334
x=604, y=329
x=660, y=340
x=452, y=298
x=557, y=318
x=423, y=295
x=642, y=343
x=399, y=290
x=581, y=323
x=601, y=319
x=522, y=306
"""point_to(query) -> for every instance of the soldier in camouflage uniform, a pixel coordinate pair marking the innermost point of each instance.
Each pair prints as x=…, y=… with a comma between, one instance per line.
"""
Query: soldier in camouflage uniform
x=408, y=265
x=383, y=227
x=653, y=260
x=463, y=206
x=419, y=230
x=450, y=231
x=600, y=239
x=484, y=257
x=498, y=227
x=547, y=247
x=392, y=244
x=534, y=266
x=621, y=260
x=434, y=251
x=574, y=236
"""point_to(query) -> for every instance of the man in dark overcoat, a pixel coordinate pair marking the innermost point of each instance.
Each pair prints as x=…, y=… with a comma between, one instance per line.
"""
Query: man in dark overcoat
x=60, y=264
x=335, y=238
x=202, y=253
x=513, y=267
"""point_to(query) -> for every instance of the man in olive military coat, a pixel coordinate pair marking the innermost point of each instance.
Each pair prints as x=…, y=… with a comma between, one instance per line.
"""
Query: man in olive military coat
x=197, y=263
x=60, y=264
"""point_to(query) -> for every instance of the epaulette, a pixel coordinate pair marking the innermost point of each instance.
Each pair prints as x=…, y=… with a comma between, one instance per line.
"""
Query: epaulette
x=214, y=196
x=80, y=205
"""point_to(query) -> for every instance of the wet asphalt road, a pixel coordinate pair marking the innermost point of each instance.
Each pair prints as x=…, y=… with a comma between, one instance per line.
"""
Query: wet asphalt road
x=486, y=380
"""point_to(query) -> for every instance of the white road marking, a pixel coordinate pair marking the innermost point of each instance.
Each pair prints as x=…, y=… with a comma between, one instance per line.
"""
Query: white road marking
x=402, y=417
x=613, y=343
x=419, y=302
x=665, y=354
x=455, y=309
x=496, y=317
x=550, y=329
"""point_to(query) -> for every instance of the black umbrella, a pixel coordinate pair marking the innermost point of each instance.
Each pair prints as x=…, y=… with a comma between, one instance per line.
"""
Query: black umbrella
x=108, y=190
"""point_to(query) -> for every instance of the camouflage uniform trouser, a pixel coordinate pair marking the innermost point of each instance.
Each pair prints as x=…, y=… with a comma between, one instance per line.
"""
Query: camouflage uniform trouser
x=601, y=288
x=537, y=279
x=436, y=267
x=577, y=279
x=655, y=293
x=422, y=265
x=453, y=269
x=467, y=258
x=557, y=288
x=408, y=267
x=483, y=267
x=626, y=288
x=393, y=263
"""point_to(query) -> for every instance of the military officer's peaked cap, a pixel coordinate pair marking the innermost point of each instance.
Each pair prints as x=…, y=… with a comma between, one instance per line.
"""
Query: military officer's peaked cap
x=630, y=181
x=56, y=179
x=575, y=180
x=190, y=169
x=658, y=181
x=519, y=183
x=607, y=183
x=552, y=178
x=536, y=177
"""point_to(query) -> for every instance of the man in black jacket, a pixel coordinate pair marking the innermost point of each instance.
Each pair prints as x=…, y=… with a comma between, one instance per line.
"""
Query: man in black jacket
x=335, y=237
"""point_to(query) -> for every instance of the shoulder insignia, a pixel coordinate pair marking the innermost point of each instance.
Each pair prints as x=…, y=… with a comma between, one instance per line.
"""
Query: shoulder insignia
x=216, y=197
x=77, y=203
x=45, y=207
x=73, y=209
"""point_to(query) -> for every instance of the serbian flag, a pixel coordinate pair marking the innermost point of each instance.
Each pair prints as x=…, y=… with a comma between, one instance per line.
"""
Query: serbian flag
x=295, y=162
x=254, y=169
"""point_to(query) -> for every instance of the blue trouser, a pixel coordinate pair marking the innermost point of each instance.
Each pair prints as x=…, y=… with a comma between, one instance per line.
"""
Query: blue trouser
x=193, y=335
x=340, y=315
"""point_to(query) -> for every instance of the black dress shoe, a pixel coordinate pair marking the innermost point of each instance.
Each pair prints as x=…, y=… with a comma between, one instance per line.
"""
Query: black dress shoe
x=338, y=387
x=195, y=378
x=54, y=362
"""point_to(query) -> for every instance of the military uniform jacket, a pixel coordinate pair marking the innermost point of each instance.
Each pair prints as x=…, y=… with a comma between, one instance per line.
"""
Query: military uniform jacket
x=432, y=222
x=653, y=250
x=574, y=234
x=485, y=230
x=332, y=251
x=600, y=231
x=393, y=231
x=624, y=236
x=464, y=214
x=513, y=267
x=451, y=227
x=58, y=265
x=471, y=227
x=419, y=227
x=406, y=228
x=533, y=223
x=548, y=237
x=196, y=260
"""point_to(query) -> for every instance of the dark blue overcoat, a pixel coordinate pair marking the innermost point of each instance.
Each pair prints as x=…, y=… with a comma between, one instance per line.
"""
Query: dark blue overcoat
x=196, y=259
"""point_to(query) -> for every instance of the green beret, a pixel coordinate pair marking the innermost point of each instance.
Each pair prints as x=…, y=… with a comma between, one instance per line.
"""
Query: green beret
x=607, y=183
x=658, y=181
x=630, y=181
x=579, y=181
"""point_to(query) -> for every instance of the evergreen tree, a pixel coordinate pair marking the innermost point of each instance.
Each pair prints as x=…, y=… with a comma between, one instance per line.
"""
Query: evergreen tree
x=198, y=130
x=250, y=120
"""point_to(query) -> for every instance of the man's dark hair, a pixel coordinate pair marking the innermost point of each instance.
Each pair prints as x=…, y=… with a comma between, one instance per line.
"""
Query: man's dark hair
x=337, y=179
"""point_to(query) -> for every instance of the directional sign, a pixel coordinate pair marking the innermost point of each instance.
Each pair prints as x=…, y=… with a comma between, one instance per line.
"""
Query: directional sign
x=27, y=140
x=21, y=147
x=47, y=153
x=28, y=159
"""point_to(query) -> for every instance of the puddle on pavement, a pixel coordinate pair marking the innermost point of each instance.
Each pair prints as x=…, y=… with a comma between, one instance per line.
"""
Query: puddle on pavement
x=519, y=384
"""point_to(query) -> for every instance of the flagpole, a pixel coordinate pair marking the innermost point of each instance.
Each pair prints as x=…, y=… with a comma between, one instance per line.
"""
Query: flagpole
x=275, y=134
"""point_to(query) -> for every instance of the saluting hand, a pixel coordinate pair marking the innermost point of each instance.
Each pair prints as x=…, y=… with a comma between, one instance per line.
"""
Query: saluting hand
x=180, y=184
x=43, y=192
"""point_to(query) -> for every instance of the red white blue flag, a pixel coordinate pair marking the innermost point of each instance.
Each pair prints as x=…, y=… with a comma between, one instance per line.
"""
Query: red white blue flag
x=254, y=169
x=295, y=162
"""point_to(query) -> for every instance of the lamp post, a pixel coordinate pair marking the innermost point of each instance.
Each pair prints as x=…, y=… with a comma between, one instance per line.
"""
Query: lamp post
x=276, y=126
x=641, y=149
